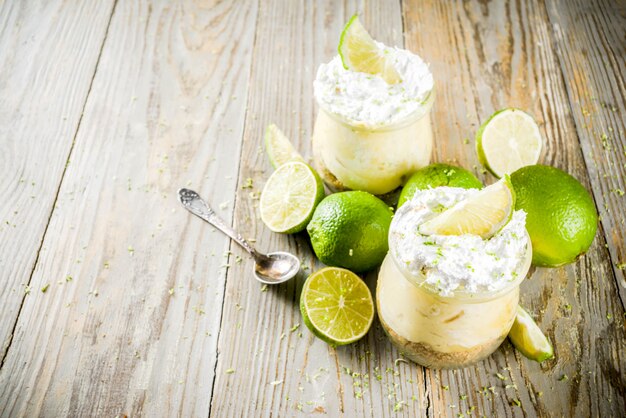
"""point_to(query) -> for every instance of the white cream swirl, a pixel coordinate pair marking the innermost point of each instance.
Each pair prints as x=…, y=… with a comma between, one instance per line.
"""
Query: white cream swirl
x=450, y=262
x=367, y=99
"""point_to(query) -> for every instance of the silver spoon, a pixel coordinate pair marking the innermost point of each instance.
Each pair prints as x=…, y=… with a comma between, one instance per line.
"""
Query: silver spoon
x=273, y=268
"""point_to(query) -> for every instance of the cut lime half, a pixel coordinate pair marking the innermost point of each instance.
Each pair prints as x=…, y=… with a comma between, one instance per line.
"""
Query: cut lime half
x=278, y=147
x=528, y=338
x=484, y=213
x=337, y=306
x=359, y=52
x=290, y=196
x=508, y=140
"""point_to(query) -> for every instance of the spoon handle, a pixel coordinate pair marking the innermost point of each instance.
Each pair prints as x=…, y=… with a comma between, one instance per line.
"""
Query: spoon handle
x=194, y=204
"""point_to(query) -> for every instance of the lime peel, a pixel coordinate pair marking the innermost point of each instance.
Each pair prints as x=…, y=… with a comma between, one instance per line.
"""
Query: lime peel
x=562, y=217
x=350, y=230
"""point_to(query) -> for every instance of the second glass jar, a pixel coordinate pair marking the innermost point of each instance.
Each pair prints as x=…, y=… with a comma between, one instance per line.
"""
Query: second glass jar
x=444, y=331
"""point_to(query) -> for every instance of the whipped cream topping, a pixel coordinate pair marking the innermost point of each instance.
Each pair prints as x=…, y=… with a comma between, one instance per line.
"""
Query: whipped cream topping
x=367, y=99
x=451, y=262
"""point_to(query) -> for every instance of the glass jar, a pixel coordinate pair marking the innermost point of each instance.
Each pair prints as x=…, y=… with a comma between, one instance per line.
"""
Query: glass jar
x=444, y=331
x=352, y=156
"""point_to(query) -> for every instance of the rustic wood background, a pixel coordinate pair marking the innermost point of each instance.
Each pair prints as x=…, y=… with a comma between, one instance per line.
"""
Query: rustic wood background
x=115, y=301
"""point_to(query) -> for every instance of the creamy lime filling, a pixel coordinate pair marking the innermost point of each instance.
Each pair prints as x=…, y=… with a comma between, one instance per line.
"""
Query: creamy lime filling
x=445, y=324
x=463, y=262
x=367, y=99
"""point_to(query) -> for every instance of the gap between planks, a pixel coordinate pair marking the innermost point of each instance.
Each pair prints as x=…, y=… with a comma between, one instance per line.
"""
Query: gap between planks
x=426, y=389
x=237, y=197
x=56, y=194
x=579, y=132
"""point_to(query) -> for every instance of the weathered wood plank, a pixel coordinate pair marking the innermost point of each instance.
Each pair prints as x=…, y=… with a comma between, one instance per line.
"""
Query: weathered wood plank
x=113, y=340
x=269, y=364
x=133, y=331
x=43, y=89
x=487, y=56
x=590, y=42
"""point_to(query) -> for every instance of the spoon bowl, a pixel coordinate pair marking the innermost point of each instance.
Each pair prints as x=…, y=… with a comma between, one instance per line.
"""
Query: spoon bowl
x=277, y=268
x=273, y=268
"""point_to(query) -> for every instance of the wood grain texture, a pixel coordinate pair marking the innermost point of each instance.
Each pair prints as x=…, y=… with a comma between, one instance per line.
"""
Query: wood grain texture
x=590, y=42
x=149, y=312
x=135, y=284
x=486, y=56
x=43, y=88
x=269, y=364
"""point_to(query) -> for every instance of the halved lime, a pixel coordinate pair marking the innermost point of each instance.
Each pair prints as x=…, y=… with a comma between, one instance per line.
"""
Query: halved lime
x=290, y=196
x=359, y=52
x=508, y=140
x=484, y=213
x=337, y=306
x=278, y=147
x=528, y=338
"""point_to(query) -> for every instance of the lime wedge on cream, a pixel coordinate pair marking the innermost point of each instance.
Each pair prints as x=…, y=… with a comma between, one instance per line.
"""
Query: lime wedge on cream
x=360, y=53
x=484, y=213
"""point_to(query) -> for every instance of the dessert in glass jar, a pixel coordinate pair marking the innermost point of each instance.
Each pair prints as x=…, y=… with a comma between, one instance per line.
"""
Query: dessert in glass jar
x=448, y=301
x=369, y=134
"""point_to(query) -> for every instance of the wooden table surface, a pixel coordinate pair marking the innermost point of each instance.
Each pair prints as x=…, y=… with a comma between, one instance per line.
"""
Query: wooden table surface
x=115, y=301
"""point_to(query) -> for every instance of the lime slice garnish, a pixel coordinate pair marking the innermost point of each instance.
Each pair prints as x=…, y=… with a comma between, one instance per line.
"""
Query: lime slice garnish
x=508, y=140
x=290, y=196
x=278, y=147
x=337, y=306
x=528, y=338
x=359, y=52
x=483, y=213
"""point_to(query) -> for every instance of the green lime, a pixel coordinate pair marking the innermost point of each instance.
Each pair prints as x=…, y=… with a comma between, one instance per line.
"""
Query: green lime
x=483, y=213
x=561, y=215
x=508, y=140
x=528, y=338
x=337, y=306
x=437, y=175
x=349, y=229
x=278, y=147
x=359, y=52
x=290, y=196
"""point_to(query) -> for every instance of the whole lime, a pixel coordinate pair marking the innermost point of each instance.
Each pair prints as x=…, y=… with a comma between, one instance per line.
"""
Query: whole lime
x=350, y=229
x=561, y=215
x=436, y=175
